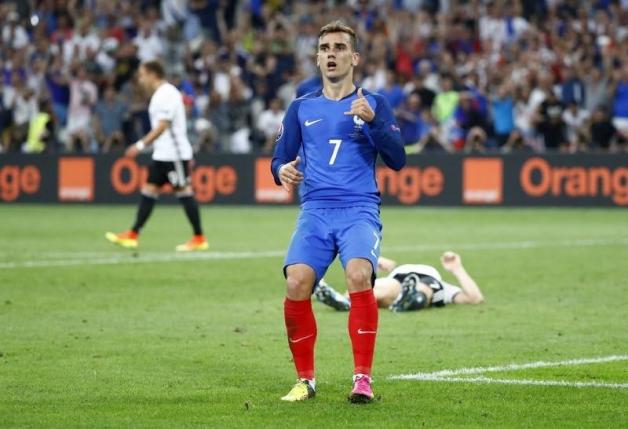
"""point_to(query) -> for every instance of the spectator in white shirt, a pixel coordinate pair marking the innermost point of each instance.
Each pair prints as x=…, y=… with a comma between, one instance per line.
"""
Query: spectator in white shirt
x=576, y=120
x=149, y=44
x=269, y=121
x=85, y=38
x=83, y=95
x=13, y=34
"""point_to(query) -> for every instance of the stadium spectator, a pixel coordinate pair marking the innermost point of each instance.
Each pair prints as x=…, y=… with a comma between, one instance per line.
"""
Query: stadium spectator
x=576, y=120
x=269, y=121
x=572, y=89
x=472, y=123
x=503, y=114
x=109, y=115
x=83, y=95
x=596, y=88
x=149, y=44
x=40, y=130
x=392, y=91
x=13, y=34
x=550, y=123
x=417, y=85
x=20, y=100
x=410, y=120
x=620, y=103
x=83, y=40
x=446, y=100
x=219, y=119
x=431, y=138
x=602, y=132
x=58, y=87
x=238, y=115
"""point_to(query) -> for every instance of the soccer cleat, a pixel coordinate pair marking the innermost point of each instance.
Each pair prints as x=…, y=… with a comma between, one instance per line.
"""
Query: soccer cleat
x=301, y=391
x=127, y=239
x=410, y=299
x=329, y=296
x=362, y=392
x=198, y=242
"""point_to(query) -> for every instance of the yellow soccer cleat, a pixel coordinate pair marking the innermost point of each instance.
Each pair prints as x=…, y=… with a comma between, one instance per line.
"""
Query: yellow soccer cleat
x=127, y=239
x=198, y=242
x=302, y=391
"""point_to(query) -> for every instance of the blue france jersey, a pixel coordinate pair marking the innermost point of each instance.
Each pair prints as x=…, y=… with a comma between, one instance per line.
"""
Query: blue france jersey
x=338, y=152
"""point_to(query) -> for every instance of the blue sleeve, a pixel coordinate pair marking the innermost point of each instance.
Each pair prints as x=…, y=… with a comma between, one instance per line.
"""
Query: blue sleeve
x=386, y=135
x=288, y=140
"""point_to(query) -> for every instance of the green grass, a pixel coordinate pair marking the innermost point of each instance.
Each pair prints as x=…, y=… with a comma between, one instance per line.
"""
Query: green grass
x=119, y=341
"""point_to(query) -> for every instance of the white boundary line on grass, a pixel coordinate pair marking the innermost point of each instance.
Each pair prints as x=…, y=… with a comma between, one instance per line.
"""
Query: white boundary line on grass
x=128, y=257
x=453, y=375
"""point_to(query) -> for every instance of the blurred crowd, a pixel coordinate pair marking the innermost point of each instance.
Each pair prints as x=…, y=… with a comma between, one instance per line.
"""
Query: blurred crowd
x=461, y=75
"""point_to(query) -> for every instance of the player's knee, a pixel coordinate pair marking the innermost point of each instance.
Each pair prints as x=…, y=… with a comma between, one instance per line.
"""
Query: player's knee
x=150, y=190
x=299, y=284
x=151, y=187
x=358, y=277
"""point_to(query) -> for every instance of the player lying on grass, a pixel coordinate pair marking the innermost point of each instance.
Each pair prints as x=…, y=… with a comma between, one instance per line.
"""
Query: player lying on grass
x=412, y=287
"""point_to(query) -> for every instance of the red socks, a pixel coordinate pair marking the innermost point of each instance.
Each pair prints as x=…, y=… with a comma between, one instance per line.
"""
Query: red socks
x=301, y=328
x=363, y=318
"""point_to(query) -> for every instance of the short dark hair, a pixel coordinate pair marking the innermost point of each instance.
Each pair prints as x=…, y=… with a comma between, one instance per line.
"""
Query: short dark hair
x=340, y=27
x=155, y=67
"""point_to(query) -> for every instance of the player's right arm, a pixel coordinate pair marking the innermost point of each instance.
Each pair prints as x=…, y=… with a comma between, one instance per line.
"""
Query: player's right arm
x=285, y=160
x=471, y=293
x=148, y=139
x=385, y=264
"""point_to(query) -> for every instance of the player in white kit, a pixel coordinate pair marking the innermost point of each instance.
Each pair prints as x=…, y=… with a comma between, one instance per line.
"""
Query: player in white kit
x=412, y=287
x=172, y=154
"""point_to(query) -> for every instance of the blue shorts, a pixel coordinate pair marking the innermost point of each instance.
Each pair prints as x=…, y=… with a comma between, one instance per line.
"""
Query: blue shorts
x=321, y=234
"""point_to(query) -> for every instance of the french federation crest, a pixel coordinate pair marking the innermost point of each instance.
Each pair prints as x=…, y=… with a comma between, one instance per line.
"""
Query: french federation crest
x=358, y=121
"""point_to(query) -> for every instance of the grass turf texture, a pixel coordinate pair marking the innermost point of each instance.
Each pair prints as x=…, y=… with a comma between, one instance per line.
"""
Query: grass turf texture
x=201, y=343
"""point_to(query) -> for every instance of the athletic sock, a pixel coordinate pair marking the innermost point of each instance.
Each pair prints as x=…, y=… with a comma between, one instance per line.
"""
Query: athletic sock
x=363, y=318
x=191, y=211
x=143, y=212
x=301, y=329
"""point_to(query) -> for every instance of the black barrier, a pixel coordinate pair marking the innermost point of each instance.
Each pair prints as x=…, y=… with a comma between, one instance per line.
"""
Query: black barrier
x=427, y=180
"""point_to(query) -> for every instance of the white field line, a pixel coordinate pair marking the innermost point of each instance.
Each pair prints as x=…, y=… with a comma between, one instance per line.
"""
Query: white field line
x=130, y=259
x=513, y=367
x=453, y=375
x=559, y=383
x=69, y=259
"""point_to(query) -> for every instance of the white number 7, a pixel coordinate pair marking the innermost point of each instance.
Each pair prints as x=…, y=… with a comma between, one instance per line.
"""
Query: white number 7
x=337, y=143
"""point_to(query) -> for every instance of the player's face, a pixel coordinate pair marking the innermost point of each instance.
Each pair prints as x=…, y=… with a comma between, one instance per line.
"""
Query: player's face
x=144, y=78
x=335, y=57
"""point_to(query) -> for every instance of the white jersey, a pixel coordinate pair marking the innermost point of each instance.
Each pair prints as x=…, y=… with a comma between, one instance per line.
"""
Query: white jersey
x=173, y=144
x=448, y=291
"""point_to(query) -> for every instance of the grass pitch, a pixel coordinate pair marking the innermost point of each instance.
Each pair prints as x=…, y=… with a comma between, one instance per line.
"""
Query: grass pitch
x=95, y=336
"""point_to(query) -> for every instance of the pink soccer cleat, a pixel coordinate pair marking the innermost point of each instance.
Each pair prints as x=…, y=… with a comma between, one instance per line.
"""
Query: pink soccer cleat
x=362, y=392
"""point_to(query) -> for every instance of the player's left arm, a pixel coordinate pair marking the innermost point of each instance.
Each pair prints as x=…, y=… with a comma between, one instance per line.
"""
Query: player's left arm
x=148, y=139
x=382, y=128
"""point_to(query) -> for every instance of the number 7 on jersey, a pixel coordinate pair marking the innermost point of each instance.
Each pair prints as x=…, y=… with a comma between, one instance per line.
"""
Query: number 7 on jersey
x=336, y=143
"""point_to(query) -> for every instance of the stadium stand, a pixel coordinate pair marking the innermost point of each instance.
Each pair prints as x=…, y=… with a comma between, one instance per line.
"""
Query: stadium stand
x=463, y=76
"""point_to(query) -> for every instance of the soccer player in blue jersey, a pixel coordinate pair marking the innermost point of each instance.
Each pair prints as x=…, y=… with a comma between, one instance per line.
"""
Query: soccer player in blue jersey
x=329, y=142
